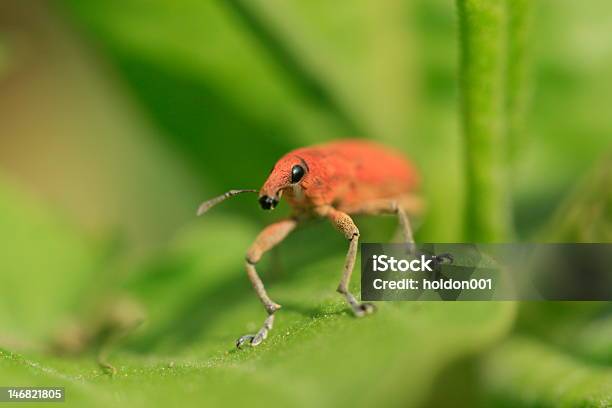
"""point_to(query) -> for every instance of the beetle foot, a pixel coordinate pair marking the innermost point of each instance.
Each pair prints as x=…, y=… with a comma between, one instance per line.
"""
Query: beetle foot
x=107, y=368
x=445, y=258
x=252, y=339
x=246, y=339
x=256, y=339
x=363, y=309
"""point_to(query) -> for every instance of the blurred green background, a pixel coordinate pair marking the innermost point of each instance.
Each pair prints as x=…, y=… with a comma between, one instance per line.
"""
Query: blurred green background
x=118, y=117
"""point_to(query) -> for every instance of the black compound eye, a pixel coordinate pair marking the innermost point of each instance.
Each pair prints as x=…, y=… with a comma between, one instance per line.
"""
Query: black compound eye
x=297, y=172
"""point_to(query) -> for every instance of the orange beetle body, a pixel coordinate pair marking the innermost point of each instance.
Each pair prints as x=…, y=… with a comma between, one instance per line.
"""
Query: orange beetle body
x=333, y=181
x=342, y=174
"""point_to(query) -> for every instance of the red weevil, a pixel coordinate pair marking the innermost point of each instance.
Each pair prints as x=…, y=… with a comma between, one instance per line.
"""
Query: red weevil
x=333, y=181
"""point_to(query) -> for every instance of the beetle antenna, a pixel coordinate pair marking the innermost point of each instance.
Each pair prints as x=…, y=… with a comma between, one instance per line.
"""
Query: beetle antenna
x=207, y=205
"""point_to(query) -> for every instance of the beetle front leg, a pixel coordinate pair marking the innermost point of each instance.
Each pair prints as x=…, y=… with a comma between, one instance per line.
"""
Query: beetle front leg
x=344, y=223
x=266, y=240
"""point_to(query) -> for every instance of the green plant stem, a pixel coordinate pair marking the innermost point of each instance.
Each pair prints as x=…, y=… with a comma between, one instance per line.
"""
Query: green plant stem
x=517, y=75
x=482, y=25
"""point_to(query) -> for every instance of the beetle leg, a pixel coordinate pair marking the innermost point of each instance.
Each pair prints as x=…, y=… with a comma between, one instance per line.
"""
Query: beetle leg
x=345, y=224
x=266, y=240
x=405, y=226
x=397, y=207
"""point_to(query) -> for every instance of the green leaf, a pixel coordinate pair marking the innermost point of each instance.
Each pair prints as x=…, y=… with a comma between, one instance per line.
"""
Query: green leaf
x=586, y=214
x=525, y=372
x=45, y=265
x=201, y=97
x=317, y=353
x=20, y=371
x=358, y=53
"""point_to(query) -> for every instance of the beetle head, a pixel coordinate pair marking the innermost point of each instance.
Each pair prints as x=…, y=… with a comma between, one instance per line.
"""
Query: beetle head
x=288, y=172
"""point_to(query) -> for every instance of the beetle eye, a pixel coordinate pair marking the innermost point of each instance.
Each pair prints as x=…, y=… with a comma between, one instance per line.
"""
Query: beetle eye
x=297, y=172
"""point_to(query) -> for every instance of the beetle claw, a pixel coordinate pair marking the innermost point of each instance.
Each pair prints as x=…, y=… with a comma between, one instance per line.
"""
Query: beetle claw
x=445, y=258
x=364, y=309
x=253, y=339
x=244, y=339
x=256, y=339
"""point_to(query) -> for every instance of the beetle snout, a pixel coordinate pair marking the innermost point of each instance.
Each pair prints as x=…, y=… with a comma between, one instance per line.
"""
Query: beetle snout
x=267, y=202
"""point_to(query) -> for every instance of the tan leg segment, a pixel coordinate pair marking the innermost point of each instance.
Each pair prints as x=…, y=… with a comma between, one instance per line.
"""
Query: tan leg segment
x=266, y=240
x=345, y=225
x=400, y=207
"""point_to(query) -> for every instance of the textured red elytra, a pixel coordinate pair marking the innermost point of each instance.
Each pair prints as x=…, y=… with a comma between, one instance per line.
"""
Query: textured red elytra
x=343, y=174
